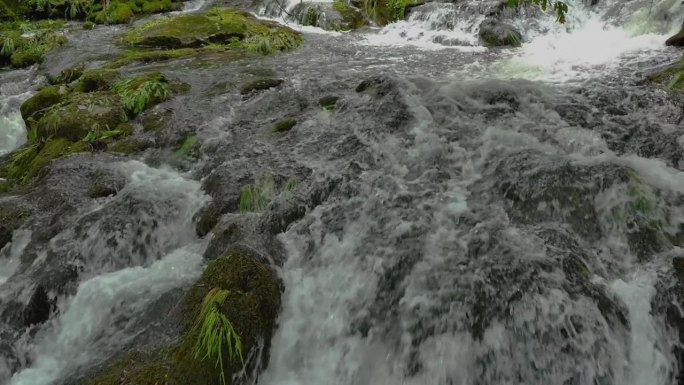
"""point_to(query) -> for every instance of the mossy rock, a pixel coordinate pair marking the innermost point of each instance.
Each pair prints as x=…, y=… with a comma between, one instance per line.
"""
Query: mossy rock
x=88, y=25
x=352, y=18
x=81, y=113
x=28, y=162
x=157, y=6
x=115, y=13
x=30, y=50
x=224, y=26
x=69, y=75
x=149, y=56
x=100, y=79
x=37, y=105
x=24, y=58
x=676, y=40
x=284, y=125
x=141, y=92
x=252, y=308
x=13, y=9
x=260, y=85
x=126, y=146
x=328, y=102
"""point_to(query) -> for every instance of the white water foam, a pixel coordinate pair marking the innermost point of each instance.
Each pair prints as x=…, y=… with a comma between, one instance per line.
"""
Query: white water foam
x=102, y=314
x=648, y=364
x=11, y=253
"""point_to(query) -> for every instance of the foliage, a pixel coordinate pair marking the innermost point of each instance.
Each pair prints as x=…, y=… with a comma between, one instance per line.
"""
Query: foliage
x=559, y=7
x=255, y=198
x=215, y=331
x=8, y=47
x=140, y=92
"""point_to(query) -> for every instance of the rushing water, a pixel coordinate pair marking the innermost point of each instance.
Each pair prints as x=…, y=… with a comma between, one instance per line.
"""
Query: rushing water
x=480, y=229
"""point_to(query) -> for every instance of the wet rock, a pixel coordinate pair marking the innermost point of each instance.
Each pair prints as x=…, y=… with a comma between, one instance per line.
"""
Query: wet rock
x=5, y=236
x=69, y=75
x=74, y=118
x=39, y=307
x=251, y=304
x=224, y=26
x=577, y=114
x=260, y=85
x=335, y=16
x=328, y=102
x=284, y=125
x=36, y=106
x=540, y=188
x=97, y=80
x=676, y=40
x=495, y=33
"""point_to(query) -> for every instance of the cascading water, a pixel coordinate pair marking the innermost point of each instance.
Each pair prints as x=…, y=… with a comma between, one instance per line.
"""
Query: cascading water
x=15, y=87
x=427, y=274
x=487, y=216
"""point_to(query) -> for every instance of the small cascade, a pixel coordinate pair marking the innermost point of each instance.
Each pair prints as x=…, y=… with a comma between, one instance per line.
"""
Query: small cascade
x=15, y=87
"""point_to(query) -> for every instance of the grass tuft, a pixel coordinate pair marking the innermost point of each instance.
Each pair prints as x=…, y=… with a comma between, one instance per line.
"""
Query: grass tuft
x=216, y=333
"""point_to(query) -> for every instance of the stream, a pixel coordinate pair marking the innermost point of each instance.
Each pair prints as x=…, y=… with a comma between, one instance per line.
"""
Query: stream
x=474, y=216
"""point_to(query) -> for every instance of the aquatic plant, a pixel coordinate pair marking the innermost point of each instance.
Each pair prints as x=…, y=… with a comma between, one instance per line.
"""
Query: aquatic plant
x=216, y=332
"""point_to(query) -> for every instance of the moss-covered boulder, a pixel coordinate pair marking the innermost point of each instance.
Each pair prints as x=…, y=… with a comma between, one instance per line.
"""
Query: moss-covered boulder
x=69, y=74
x=284, y=125
x=676, y=40
x=224, y=26
x=260, y=84
x=80, y=114
x=28, y=162
x=20, y=50
x=251, y=305
x=100, y=79
x=336, y=16
x=36, y=106
x=495, y=33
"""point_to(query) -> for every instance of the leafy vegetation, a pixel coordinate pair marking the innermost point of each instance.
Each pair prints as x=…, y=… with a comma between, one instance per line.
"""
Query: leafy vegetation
x=22, y=45
x=215, y=333
x=140, y=92
x=560, y=8
x=236, y=289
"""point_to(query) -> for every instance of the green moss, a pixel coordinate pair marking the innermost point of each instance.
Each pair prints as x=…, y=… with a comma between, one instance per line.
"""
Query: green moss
x=284, y=125
x=147, y=56
x=116, y=13
x=69, y=75
x=37, y=105
x=224, y=26
x=189, y=147
x=126, y=146
x=100, y=79
x=100, y=190
x=28, y=162
x=251, y=307
x=352, y=18
x=80, y=114
x=156, y=6
x=141, y=92
x=13, y=9
x=22, y=51
x=260, y=85
x=328, y=102
x=88, y=25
